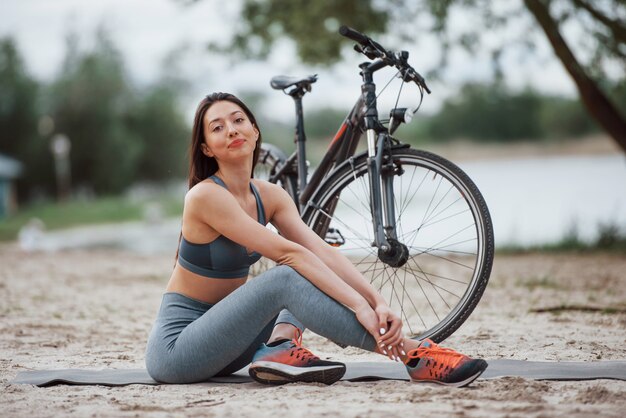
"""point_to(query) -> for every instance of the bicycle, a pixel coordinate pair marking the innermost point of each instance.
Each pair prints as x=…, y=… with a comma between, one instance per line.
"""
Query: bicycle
x=424, y=236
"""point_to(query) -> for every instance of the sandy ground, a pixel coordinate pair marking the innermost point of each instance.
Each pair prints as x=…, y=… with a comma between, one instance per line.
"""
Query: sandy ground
x=93, y=309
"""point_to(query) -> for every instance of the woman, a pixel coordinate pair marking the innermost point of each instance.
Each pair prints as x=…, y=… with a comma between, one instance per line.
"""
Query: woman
x=212, y=322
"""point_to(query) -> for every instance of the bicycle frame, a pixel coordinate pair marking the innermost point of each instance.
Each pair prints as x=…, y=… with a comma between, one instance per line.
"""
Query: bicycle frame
x=341, y=149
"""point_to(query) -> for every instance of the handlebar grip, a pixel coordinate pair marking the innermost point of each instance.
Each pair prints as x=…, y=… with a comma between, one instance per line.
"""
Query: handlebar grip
x=354, y=35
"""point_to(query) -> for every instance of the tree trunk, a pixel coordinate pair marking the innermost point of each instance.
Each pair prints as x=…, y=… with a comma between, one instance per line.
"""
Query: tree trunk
x=596, y=102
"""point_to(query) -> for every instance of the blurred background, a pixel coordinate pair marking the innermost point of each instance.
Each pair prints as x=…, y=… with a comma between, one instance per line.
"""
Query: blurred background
x=97, y=102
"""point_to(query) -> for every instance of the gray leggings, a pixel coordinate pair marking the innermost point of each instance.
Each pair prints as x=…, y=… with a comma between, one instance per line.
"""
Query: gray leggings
x=192, y=341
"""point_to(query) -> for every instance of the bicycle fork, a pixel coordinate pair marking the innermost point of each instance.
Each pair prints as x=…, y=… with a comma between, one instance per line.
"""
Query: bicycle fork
x=382, y=203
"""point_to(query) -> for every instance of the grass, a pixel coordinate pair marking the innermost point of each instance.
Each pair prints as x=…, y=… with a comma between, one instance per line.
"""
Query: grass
x=610, y=238
x=85, y=212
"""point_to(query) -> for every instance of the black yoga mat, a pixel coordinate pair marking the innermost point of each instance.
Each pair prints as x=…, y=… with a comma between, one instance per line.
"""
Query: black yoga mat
x=355, y=371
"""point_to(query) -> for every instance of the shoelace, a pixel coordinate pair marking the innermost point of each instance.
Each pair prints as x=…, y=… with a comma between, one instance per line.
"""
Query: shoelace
x=444, y=356
x=301, y=351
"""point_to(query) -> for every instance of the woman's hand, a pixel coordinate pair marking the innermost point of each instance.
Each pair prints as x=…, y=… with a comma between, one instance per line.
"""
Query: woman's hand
x=390, y=330
x=368, y=318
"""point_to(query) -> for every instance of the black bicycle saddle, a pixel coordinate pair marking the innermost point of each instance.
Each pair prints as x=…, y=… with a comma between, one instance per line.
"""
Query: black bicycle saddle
x=281, y=82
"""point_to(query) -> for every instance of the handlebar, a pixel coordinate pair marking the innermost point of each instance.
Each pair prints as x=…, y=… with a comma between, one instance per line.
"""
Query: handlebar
x=354, y=35
x=372, y=49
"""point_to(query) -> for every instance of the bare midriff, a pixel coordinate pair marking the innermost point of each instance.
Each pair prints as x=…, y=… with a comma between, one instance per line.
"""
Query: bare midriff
x=205, y=289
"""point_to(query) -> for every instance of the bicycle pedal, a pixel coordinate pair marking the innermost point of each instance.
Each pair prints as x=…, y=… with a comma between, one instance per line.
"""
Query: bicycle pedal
x=334, y=237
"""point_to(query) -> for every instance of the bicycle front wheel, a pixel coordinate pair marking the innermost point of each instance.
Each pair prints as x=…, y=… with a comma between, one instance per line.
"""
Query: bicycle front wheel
x=442, y=219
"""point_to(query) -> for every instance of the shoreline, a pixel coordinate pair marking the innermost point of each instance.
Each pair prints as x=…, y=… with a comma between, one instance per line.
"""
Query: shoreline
x=464, y=150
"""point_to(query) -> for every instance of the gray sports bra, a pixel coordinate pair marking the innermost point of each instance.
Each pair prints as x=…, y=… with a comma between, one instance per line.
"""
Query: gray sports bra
x=220, y=258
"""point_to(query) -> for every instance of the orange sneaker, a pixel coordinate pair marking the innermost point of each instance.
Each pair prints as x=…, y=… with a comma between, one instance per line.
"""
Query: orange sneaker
x=287, y=361
x=431, y=363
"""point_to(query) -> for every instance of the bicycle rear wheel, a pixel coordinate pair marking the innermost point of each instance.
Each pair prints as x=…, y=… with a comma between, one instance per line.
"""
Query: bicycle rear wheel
x=271, y=158
x=442, y=219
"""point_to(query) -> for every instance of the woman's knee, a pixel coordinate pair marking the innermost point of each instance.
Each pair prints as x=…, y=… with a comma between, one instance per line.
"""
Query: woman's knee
x=286, y=277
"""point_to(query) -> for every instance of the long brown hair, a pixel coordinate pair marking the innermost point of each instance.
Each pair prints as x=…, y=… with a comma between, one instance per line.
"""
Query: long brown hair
x=201, y=166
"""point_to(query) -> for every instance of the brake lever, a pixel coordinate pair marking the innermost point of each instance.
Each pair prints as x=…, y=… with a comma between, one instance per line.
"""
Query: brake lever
x=409, y=74
x=371, y=52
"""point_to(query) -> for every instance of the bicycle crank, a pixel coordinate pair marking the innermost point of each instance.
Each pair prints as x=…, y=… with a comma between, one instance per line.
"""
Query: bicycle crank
x=396, y=256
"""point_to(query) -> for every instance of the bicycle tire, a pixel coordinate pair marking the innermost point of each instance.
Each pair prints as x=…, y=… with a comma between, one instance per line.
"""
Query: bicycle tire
x=348, y=174
x=271, y=159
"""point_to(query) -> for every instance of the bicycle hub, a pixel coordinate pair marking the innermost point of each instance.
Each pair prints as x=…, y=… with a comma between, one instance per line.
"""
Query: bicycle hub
x=396, y=255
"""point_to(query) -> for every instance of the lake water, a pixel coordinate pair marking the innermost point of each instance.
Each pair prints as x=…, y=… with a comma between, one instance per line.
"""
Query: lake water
x=539, y=200
x=532, y=201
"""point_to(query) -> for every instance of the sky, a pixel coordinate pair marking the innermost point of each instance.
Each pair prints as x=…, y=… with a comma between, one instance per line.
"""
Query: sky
x=146, y=30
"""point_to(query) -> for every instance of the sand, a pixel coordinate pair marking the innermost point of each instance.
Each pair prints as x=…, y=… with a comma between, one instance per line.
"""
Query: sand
x=94, y=308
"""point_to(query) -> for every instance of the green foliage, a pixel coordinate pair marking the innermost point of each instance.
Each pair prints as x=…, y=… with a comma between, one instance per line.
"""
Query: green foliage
x=108, y=209
x=480, y=112
x=311, y=24
x=563, y=118
x=611, y=237
x=118, y=134
x=488, y=112
x=19, y=109
x=89, y=103
x=599, y=43
x=491, y=112
x=164, y=135
x=18, y=99
x=322, y=124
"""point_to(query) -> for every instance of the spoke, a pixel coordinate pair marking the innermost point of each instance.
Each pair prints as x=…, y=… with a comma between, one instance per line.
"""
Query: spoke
x=372, y=266
x=451, y=261
x=416, y=277
x=365, y=207
x=447, y=278
x=351, y=207
x=361, y=181
x=442, y=288
x=447, y=217
x=431, y=217
x=402, y=304
x=322, y=211
x=448, y=237
x=360, y=246
x=432, y=284
x=407, y=202
x=429, y=250
x=393, y=289
x=431, y=200
x=364, y=258
x=414, y=307
x=400, y=301
x=382, y=281
x=439, y=203
x=425, y=279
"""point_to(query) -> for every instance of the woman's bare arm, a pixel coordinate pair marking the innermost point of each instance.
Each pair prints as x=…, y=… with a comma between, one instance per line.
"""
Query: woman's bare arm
x=215, y=206
x=287, y=220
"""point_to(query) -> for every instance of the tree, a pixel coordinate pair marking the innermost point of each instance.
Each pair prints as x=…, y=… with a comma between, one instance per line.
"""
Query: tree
x=19, y=112
x=89, y=102
x=312, y=26
x=164, y=135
